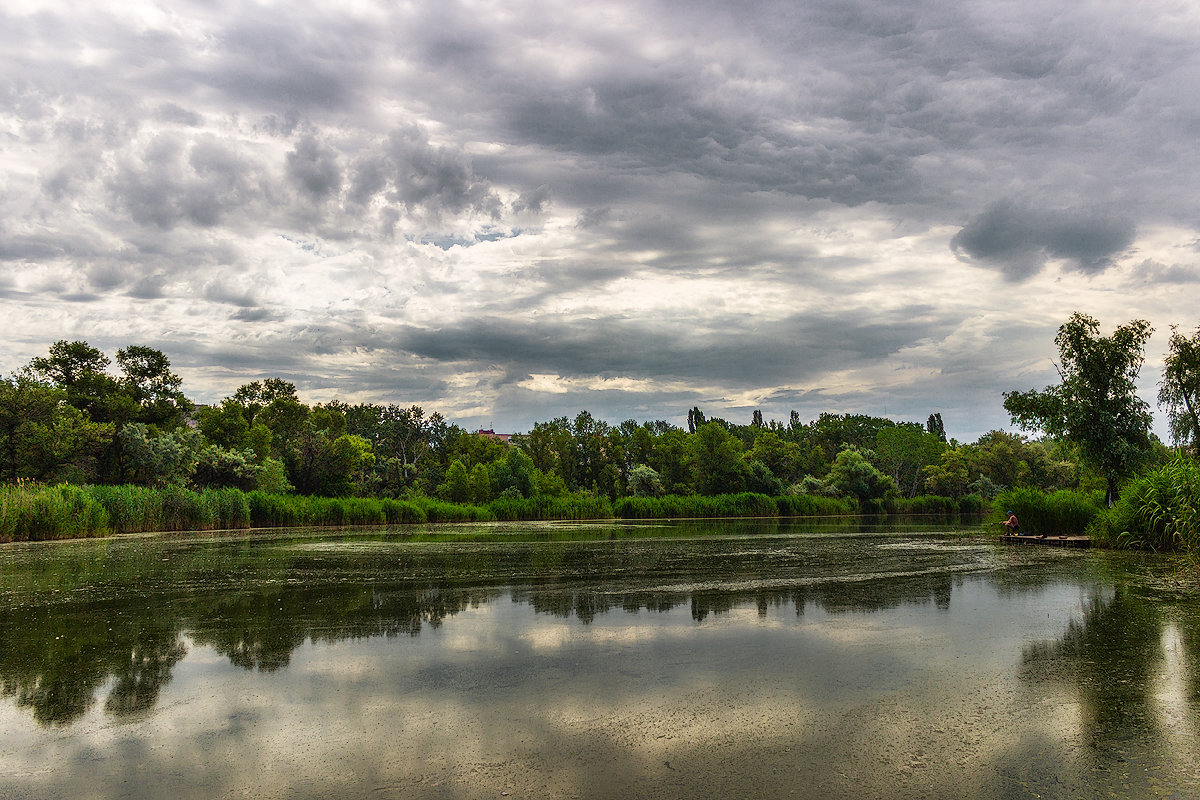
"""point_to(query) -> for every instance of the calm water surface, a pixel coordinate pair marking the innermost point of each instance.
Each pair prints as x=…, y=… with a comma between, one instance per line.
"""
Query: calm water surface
x=694, y=660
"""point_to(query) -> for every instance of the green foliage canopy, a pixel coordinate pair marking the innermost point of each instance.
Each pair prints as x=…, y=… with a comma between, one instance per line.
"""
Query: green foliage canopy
x=1096, y=405
x=1179, y=391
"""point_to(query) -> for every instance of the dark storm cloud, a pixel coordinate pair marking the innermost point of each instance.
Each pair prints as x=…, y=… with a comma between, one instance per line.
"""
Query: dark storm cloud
x=149, y=287
x=661, y=127
x=176, y=180
x=435, y=178
x=1018, y=240
x=170, y=112
x=313, y=165
x=219, y=292
x=729, y=349
x=524, y=167
x=1156, y=272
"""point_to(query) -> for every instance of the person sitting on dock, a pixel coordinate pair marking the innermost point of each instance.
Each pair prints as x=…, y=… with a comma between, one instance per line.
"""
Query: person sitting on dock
x=1014, y=527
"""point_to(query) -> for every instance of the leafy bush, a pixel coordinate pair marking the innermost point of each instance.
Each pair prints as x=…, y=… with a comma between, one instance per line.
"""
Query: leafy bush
x=853, y=474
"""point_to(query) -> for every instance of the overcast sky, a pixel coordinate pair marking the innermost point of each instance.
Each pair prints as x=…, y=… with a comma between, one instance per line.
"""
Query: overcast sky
x=510, y=211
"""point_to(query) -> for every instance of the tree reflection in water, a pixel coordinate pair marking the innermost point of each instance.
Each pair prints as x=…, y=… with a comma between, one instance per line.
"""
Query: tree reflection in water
x=56, y=656
x=1130, y=662
x=79, y=618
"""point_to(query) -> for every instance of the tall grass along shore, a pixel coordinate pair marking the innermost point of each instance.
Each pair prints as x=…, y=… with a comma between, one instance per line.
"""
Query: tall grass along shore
x=35, y=512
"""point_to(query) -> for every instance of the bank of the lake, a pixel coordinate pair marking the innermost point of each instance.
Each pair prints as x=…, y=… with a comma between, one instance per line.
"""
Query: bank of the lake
x=34, y=512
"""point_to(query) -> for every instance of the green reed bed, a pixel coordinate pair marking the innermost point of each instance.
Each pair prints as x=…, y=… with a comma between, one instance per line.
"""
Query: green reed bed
x=745, y=504
x=292, y=511
x=140, y=509
x=937, y=505
x=30, y=512
x=1158, y=511
x=814, y=505
x=567, y=507
x=1066, y=512
x=441, y=511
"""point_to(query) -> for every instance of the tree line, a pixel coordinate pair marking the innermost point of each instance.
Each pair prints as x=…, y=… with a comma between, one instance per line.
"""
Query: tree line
x=68, y=417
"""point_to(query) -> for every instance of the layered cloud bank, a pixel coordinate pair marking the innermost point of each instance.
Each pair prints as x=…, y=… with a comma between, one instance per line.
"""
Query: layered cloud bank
x=514, y=211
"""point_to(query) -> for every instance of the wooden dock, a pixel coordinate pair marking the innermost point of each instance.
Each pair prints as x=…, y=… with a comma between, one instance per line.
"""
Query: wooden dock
x=1049, y=541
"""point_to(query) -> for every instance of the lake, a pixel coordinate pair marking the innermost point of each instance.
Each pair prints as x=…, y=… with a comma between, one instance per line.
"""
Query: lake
x=654, y=660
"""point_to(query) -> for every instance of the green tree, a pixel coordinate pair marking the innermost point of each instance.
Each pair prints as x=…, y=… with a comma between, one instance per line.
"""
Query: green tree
x=935, y=425
x=670, y=460
x=1179, y=391
x=853, y=475
x=903, y=451
x=79, y=370
x=782, y=457
x=351, y=460
x=457, y=486
x=286, y=419
x=1000, y=457
x=42, y=437
x=551, y=445
x=951, y=474
x=257, y=395
x=162, y=460
x=716, y=463
x=480, y=479
x=591, y=452
x=224, y=425
x=1096, y=405
x=514, y=472
x=644, y=482
x=408, y=438
x=149, y=379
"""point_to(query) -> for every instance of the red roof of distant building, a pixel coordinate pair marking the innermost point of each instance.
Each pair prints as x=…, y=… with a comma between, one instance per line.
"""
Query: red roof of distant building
x=491, y=434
